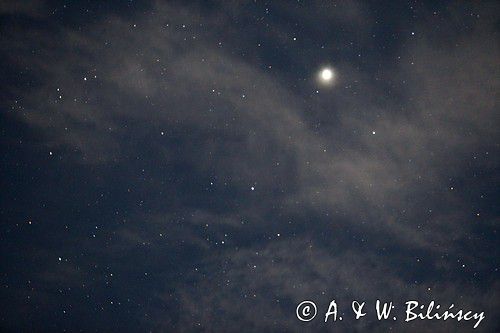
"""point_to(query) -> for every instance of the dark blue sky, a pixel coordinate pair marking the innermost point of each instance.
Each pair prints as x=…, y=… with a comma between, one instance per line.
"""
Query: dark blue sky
x=179, y=166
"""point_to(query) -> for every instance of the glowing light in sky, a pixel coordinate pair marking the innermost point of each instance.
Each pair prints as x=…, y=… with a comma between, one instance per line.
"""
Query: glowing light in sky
x=326, y=76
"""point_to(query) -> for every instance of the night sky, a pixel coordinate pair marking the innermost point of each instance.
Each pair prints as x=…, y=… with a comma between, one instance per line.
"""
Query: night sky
x=207, y=166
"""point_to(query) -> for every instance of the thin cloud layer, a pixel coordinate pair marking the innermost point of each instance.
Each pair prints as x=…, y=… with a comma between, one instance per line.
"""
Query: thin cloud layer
x=189, y=184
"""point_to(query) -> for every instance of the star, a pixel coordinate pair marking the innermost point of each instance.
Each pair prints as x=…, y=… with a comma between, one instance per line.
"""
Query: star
x=326, y=76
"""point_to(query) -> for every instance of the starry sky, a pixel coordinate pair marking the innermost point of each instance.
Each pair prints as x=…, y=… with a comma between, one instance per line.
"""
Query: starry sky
x=181, y=166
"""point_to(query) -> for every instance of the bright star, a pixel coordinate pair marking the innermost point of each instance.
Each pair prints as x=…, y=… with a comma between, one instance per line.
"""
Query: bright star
x=326, y=76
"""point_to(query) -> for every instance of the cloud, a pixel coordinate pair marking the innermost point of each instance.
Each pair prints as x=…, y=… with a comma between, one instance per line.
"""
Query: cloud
x=169, y=108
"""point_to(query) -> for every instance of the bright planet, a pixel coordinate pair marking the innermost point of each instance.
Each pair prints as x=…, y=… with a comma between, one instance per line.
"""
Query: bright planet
x=326, y=76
